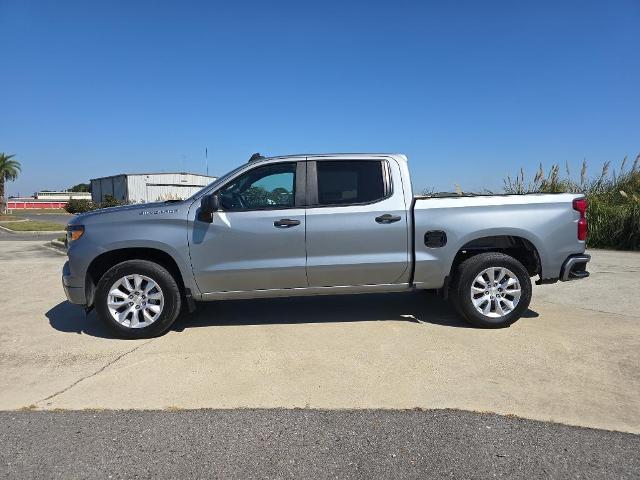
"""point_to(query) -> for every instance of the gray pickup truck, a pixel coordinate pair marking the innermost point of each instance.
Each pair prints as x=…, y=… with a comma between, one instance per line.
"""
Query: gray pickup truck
x=321, y=225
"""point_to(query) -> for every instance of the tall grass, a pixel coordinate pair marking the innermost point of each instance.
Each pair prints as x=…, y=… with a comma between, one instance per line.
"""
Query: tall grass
x=614, y=200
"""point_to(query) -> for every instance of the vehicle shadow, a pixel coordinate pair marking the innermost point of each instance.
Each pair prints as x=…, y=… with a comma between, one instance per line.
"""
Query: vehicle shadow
x=70, y=318
x=417, y=307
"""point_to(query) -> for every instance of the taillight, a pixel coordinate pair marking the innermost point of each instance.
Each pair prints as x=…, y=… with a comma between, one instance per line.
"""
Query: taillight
x=580, y=205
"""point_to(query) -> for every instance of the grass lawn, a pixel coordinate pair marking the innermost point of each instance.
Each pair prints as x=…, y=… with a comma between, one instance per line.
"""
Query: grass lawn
x=9, y=217
x=33, y=226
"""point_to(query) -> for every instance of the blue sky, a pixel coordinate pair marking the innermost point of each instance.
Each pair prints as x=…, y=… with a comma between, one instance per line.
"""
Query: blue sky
x=469, y=90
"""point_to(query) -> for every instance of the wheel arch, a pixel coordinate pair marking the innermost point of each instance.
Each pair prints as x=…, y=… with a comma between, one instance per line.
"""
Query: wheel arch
x=103, y=262
x=518, y=247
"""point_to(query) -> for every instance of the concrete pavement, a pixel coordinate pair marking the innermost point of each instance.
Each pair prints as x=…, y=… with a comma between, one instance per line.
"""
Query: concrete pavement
x=574, y=359
x=6, y=236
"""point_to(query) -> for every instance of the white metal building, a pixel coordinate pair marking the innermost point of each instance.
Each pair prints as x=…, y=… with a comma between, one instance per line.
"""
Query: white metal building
x=148, y=187
x=62, y=196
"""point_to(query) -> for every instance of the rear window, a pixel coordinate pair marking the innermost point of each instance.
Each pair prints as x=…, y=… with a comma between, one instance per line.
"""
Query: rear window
x=349, y=182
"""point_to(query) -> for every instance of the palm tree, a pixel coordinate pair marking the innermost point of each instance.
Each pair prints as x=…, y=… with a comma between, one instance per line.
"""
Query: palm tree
x=9, y=170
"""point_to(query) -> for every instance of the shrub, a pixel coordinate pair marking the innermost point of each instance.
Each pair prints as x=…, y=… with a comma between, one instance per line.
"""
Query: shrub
x=79, y=206
x=614, y=201
x=110, y=201
x=82, y=206
x=169, y=196
x=613, y=226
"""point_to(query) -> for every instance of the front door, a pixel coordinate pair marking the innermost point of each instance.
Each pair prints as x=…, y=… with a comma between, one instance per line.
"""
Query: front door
x=257, y=239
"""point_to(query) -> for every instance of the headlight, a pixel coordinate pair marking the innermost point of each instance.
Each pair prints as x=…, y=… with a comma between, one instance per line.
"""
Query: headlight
x=74, y=232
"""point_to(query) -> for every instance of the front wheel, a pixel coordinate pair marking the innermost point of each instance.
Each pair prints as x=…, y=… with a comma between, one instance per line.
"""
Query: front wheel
x=137, y=299
x=491, y=290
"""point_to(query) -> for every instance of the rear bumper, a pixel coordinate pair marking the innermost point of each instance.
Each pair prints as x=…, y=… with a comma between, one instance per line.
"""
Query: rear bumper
x=575, y=267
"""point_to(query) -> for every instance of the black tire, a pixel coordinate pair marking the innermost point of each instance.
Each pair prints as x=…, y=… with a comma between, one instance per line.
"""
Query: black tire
x=466, y=273
x=160, y=275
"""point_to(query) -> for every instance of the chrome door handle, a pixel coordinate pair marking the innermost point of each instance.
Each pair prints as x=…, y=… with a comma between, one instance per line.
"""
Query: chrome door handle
x=286, y=223
x=388, y=218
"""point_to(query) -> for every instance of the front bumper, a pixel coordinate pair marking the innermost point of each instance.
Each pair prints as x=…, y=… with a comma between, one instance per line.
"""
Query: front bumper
x=75, y=294
x=575, y=267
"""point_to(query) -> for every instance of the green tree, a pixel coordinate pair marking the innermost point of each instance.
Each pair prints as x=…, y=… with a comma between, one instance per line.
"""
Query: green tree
x=9, y=170
x=81, y=187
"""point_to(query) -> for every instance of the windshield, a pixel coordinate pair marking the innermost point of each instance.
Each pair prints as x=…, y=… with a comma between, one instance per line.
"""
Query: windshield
x=218, y=180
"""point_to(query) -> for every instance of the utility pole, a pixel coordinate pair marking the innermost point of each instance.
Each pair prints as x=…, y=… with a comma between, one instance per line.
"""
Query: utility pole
x=206, y=159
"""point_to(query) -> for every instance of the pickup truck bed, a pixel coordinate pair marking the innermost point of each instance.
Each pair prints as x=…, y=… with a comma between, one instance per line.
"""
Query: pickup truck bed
x=544, y=224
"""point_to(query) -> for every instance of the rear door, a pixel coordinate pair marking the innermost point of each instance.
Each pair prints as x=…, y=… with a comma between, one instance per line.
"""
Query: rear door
x=356, y=223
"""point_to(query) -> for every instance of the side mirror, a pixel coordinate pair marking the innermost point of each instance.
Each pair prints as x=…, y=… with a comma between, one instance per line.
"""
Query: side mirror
x=208, y=205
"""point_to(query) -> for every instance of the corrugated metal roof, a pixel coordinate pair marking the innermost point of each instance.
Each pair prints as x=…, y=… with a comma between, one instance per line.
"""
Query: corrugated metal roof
x=153, y=173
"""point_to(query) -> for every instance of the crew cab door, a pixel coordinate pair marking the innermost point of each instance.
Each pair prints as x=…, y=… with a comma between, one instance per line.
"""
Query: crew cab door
x=356, y=223
x=257, y=238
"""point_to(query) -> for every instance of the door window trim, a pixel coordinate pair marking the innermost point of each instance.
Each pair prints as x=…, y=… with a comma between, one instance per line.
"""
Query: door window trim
x=312, y=183
x=300, y=176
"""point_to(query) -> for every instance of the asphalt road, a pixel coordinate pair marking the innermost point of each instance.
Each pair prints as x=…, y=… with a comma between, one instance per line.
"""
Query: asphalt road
x=62, y=219
x=306, y=444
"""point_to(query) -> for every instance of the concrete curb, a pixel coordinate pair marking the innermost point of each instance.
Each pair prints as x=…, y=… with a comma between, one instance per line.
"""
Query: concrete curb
x=34, y=233
x=14, y=221
x=59, y=245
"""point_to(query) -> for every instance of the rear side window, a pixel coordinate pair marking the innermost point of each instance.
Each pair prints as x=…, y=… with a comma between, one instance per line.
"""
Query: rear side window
x=350, y=181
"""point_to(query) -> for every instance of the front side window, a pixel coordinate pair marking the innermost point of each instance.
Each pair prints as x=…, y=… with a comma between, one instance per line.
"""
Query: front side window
x=268, y=187
x=349, y=182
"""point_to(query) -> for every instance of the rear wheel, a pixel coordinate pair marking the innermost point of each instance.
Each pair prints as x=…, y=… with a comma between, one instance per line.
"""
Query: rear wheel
x=491, y=290
x=137, y=299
